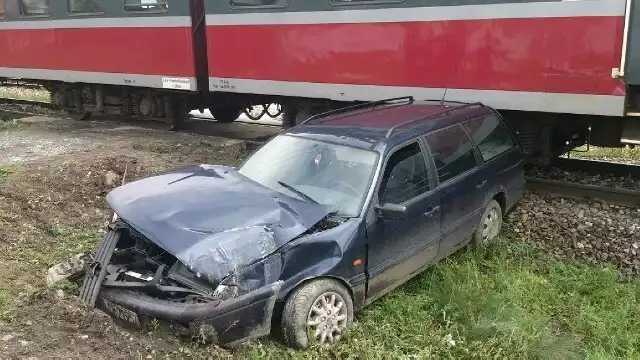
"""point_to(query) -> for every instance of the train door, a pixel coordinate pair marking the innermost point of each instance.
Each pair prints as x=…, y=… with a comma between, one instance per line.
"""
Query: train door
x=199, y=38
x=631, y=64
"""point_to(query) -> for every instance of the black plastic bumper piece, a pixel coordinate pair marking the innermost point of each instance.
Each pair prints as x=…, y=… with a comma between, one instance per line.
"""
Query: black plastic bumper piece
x=234, y=321
x=96, y=271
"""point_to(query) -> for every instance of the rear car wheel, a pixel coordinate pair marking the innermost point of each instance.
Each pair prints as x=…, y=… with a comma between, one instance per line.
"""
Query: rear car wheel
x=490, y=225
x=321, y=309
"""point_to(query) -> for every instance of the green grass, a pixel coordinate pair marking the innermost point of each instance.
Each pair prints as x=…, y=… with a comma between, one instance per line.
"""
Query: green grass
x=62, y=244
x=13, y=92
x=504, y=302
x=608, y=153
x=5, y=172
x=6, y=310
x=11, y=125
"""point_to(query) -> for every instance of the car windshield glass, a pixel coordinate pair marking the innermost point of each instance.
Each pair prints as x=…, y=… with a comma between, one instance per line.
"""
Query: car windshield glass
x=311, y=170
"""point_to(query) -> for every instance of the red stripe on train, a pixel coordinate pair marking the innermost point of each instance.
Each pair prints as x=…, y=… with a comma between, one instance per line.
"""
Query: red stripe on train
x=146, y=51
x=565, y=55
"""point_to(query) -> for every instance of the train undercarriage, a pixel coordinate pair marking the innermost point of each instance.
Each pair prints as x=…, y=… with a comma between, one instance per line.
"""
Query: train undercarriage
x=542, y=135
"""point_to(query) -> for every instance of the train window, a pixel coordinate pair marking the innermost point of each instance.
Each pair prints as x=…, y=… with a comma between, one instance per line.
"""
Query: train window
x=86, y=6
x=146, y=6
x=1, y=9
x=34, y=7
x=264, y=3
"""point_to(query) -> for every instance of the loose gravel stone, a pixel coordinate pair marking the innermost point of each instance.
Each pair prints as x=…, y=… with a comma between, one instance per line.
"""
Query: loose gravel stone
x=588, y=230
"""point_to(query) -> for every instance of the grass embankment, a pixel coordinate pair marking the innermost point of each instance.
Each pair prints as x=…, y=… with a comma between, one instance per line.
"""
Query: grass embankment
x=507, y=301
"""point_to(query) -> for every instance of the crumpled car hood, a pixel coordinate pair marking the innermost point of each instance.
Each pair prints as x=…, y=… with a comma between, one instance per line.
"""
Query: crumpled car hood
x=212, y=218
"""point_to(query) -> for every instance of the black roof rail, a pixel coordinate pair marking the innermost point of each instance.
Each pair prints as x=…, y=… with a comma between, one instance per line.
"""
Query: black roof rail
x=459, y=107
x=408, y=99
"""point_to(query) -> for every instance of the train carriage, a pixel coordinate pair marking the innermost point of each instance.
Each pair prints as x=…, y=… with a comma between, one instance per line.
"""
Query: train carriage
x=555, y=68
x=129, y=56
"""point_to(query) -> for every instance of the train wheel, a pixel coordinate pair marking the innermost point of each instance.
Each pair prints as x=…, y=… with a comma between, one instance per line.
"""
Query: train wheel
x=278, y=112
x=256, y=112
x=295, y=114
x=226, y=114
x=176, y=111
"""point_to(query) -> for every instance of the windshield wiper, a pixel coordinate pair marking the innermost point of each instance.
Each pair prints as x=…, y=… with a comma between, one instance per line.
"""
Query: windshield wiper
x=298, y=192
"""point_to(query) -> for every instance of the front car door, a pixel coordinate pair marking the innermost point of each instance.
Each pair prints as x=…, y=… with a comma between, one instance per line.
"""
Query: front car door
x=400, y=248
x=460, y=190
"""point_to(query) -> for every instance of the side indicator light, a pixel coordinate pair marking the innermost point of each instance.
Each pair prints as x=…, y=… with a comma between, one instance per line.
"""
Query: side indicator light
x=357, y=262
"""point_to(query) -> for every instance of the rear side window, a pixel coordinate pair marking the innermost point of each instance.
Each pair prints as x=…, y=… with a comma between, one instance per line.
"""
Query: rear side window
x=146, y=5
x=1, y=9
x=86, y=6
x=452, y=152
x=34, y=7
x=270, y=3
x=405, y=176
x=491, y=136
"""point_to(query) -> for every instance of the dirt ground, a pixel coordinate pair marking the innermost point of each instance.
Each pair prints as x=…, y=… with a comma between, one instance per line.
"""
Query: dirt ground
x=54, y=175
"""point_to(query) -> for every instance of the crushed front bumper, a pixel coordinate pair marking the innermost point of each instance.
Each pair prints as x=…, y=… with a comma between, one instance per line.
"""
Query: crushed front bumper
x=227, y=322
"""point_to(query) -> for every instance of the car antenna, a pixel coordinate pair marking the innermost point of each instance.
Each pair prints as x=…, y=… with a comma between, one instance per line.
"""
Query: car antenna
x=443, y=96
x=114, y=217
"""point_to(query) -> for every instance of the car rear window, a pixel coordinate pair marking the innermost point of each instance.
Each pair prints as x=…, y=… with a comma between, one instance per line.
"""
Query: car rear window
x=452, y=152
x=490, y=135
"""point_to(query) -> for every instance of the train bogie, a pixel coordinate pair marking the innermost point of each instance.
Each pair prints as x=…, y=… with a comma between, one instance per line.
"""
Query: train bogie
x=125, y=56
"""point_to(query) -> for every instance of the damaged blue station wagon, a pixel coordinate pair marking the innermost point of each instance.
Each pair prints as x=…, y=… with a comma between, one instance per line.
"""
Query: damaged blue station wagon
x=321, y=221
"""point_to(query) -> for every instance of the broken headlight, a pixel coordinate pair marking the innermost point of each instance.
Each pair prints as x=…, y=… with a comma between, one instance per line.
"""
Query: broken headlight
x=225, y=292
x=250, y=278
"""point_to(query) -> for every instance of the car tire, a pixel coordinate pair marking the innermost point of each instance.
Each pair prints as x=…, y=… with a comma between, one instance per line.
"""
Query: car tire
x=489, y=226
x=298, y=313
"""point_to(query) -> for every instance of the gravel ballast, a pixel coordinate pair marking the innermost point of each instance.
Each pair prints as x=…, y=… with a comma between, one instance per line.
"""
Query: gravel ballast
x=592, y=231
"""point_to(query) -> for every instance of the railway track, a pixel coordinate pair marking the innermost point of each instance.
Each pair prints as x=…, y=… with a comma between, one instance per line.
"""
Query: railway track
x=42, y=104
x=622, y=197
x=596, y=167
x=50, y=106
x=617, y=196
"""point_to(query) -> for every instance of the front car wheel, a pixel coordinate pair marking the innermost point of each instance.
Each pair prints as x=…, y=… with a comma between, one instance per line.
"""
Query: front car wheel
x=319, y=310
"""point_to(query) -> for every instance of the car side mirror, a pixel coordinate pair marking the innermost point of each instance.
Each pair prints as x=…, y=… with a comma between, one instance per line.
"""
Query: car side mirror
x=392, y=211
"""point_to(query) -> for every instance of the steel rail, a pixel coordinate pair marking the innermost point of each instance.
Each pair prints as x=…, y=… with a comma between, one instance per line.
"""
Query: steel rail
x=42, y=104
x=596, y=167
x=616, y=196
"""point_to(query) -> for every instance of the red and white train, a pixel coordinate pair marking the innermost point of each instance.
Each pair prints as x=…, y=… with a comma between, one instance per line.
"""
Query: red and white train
x=554, y=68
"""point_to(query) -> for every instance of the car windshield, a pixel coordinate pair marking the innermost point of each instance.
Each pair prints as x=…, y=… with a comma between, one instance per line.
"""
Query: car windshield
x=314, y=171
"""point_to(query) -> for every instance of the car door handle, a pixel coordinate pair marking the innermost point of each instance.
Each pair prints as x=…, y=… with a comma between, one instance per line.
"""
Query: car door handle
x=481, y=185
x=431, y=212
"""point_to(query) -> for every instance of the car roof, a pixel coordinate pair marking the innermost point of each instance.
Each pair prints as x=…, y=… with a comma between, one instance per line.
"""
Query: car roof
x=366, y=127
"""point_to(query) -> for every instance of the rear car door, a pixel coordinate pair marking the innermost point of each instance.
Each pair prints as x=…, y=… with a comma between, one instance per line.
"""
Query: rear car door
x=502, y=158
x=461, y=191
x=399, y=248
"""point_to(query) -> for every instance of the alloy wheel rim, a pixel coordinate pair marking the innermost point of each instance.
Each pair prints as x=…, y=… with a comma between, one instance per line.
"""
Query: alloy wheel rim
x=490, y=226
x=328, y=317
